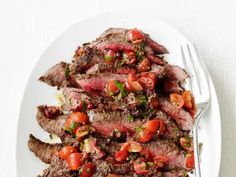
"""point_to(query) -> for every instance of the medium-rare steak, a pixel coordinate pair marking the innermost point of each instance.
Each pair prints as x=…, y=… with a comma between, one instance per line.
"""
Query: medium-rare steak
x=183, y=118
x=123, y=111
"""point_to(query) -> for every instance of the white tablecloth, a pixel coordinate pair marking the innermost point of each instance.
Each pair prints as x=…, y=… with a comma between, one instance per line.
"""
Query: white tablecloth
x=27, y=28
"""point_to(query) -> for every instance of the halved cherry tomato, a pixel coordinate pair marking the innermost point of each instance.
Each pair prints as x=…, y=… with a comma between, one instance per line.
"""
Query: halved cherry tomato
x=129, y=57
x=125, y=147
x=160, y=161
x=151, y=75
x=88, y=170
x=135, y=85
x=112, y=175
x=74, y=161
x=144, y=65
x=186, y=143
x=131, y=77
x=128, y=87
x=121, y=156
x=154, y=103
x=147, y=82
x=177, y=100
x=152, y=125
x=134, y=146
x=79, y=117
x=66, y=151
x=109, y=56
x=188, y=101
x=146, y=153
x=135, y=36
x=140, y=167
x=111, y=86
x=144, y=136
x=189, y=161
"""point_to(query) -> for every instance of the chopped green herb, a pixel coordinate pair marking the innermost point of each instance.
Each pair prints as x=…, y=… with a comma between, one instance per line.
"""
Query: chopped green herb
x=108, y=58
x=130, y=118
x=140, y=51
x=143, y=100
x=122, y=89
x=150, y=164
x=138, y=129
x=67, y=72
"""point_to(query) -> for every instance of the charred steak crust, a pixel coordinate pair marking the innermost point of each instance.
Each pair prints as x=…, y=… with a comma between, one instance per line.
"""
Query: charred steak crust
x=43, y=151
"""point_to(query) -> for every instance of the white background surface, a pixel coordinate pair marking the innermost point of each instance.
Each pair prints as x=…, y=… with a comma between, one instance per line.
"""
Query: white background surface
x=27, y=28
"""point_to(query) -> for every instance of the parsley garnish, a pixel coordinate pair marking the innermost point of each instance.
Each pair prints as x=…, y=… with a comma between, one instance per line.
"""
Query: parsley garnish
x=142, y=100
x=67, y=72
x=122, y=89
x=138, y=129
x=130, y=118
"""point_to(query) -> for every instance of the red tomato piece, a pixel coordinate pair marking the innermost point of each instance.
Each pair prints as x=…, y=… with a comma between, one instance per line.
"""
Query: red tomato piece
x=125, y=146
x=88, y=170
x=134, y=147
x=131, y=77
x=189, y=161
x=66, y=151
x=135, y=85
x=121, y=156
x=109, y=56
x=135, y=36
x=112, y=86
x=186, y=143
x=140, y=167
x=129, y=57
x=177, y=100
x=147, y=83
x=154, y=103
x=187, y=97
x=144, y=136
x=152, y=125
x=74, y=161
x=144, y=65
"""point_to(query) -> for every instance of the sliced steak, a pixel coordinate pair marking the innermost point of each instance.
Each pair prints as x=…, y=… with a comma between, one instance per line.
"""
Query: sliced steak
x=52, y=126
x=44, y=151
x=84, y=59
x=105, y=123
x=174, y=72
x=55, y=126
x=58, y=168
x=183, y=118
x=56, y=75
x=95, y=84
x=156, y=47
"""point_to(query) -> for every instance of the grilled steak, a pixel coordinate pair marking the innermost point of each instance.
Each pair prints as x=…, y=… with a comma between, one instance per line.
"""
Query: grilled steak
x=43, y=151
x=58, y=168
x=183, y=118
x=116, y=112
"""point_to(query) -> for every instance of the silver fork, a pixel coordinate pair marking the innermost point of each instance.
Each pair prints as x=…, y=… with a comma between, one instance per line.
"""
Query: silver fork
x=198, y=83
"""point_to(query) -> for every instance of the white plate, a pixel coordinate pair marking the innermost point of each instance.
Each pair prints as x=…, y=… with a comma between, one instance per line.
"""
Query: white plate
x=63, y=47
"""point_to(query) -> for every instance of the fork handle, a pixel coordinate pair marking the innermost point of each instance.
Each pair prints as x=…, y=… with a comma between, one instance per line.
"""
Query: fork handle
x=195, y=143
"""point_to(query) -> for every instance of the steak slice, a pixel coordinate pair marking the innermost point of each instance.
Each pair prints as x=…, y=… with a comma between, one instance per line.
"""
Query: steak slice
x=54, y=126
x=58, y=168
x=105, y=123
x=55, y=76
x=183, y=118
x=84, y=59
x=95, y=84
x=161, y=147
x=44, y=151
